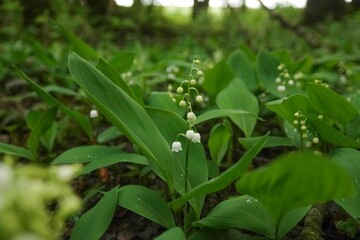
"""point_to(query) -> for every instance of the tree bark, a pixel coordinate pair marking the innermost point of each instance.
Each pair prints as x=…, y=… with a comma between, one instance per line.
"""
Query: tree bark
x=320, y=10
x=200, y=7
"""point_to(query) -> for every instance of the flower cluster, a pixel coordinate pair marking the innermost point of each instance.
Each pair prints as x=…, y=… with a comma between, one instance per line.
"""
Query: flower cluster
x=284, y=79
x=186, y=88
x=300, y=122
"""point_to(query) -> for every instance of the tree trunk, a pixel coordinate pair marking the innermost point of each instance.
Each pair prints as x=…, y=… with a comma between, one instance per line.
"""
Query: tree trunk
x=200, y=7
x=320, y=10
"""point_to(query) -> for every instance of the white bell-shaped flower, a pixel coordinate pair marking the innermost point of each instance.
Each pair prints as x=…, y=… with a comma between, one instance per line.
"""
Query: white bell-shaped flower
x=196, y=138
x=176, y=146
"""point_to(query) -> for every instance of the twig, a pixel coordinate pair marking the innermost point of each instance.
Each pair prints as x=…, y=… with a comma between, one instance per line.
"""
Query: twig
x=310, y=39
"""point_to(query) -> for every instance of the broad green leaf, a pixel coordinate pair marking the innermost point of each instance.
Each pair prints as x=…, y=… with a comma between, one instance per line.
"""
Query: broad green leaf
x=79, y=118
x=218, y=78
x=146, y=203
x=60, y=90
x=217, y=113
x=93, y=224
x=236, y=96
x=114, y=76
x=170, y=125
x=331, y=135
x=273, y=141
x=164, y=101
x=15, y=151
x=109, y=134
x=43, y=123
x=243, y=69
x=86, y=154
x=291, y=219
x=224, y=179
x=174, y=233
x=126, y=114
x=331, y=104
x=286, y=107
x=266, y=70
x=243, y=212
x=78, y=44
x=284, y=184
x=350, y=160
x=218, y=142
x=120, y=158
x=122, y=61
x=48, y=139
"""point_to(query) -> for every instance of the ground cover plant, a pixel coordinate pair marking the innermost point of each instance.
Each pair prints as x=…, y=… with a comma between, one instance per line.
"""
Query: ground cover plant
x=241, y=143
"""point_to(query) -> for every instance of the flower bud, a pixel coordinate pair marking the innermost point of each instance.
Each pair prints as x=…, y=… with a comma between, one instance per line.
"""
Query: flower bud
x=192, y=82
x=199, y=98
x=281, y=88
x=179, y=90
x=196, y=61
x=199, y=73
x=182, y=103
x=94, y=113
x=191, y=116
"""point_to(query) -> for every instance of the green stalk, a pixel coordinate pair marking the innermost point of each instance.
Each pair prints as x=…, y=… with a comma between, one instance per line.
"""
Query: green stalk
x=186, y=185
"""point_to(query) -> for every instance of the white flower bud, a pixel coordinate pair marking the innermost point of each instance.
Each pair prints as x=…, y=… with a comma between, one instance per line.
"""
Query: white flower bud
x=196, y=61
x=179, y=90
x=303, y=128
x=281, y=88
x=94, y=113
x=176, y=146
x=190, y=134
x=296, y=122
x=315, y=140
x=192, y=82
x=199, y=98
x=308, y=144
x=182, y=103
x=278, y=80
x=199, y=73
x=191, y=116
x=297, y=114
x=291, y=82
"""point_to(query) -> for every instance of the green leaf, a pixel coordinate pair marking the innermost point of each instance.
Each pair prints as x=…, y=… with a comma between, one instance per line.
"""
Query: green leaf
x=286, y=107
x=331, y=135
x=290, y=219
x=146, y=203
x=15, y=151
x=79, y=45
x=217, y=113
x=109, y=134
x=236, y=96
x=122, y=61
x=243, y=212
x=218, y=78
x=164, y=101
x=48, y=139
x=350, y=160
x=86, y=154
x=120, y=158
x=331, y=104
x=296, y=180
x=93, y=224
x=266, y=69
x=174, y=233
x=126, y=114
x=243, y=69
x=224, y=179
x=114, y=76
x=79, y=118
x=218, y=142
x=273, y=141
x=43, y=123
